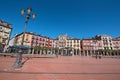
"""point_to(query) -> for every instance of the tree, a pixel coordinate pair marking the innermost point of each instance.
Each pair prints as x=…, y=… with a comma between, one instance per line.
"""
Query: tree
x=36, y=49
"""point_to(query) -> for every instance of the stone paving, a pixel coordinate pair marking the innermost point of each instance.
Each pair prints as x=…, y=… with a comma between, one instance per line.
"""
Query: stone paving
x=62, y=68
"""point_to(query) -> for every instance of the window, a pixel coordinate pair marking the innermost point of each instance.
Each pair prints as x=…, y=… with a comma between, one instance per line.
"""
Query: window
x=111, y=48
x=84, y=43
x=105, y=48
x=36, y=38
x=32, y=37
x=5, y=36
x=32, y=41
x=74, y=45
x=6, y=30
x=0, y=27
x=116, y=42
x=110, y=43
x=26, y=40
x=109, y=40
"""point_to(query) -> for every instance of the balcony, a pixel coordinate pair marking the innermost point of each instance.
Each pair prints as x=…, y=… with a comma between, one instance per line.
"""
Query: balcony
x=32, y=37
x=5, y=36
x=27, y=41
x=1, y=29
x=7, y=31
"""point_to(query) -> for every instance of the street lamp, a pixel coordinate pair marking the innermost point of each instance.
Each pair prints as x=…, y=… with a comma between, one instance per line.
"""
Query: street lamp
x=28, y=15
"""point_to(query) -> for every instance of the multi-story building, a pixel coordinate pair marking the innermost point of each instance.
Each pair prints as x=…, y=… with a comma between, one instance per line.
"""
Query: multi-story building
x=55, y=43
x=70, y=46
x=26, y=41
x=97, y=44
x=5, y=32
x=106, y=41
x=42, y=41
x=12, y=41
x=116, y=44
x=87, y=46
x=74, y=43
x=62, y=41
x=90, y=46
x=32, y=40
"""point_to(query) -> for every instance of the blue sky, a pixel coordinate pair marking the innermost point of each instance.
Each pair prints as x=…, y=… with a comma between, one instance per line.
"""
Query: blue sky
x=77, y=18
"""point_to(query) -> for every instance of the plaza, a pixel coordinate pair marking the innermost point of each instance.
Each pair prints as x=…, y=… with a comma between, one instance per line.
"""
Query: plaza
x=61, y=68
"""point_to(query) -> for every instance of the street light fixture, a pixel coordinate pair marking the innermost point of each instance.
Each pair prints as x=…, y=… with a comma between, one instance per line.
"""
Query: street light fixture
x=28, y=16
x=18, y=62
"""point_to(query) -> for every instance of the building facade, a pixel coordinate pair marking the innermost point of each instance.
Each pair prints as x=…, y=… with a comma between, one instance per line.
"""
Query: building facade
x=74, y=44
x=12, y=42
x=32, y=40
x=89, y=46
x=5, y=33
x=67, y=46
x=70, y=46
x=62, y=41
x=116, y=44
x=106, y=41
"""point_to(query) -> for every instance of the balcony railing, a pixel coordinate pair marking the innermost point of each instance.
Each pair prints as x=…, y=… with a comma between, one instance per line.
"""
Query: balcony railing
x=5, y=37
x=6, y=31
x=1, y=29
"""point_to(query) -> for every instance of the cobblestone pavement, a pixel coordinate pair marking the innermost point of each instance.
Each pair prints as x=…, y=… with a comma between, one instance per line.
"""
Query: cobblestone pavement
x=62, y=68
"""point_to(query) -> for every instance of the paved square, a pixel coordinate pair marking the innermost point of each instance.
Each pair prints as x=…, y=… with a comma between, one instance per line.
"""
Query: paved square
x=62, y=68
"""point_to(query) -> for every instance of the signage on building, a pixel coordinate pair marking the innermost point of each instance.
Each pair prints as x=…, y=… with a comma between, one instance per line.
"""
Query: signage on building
x=4, y=23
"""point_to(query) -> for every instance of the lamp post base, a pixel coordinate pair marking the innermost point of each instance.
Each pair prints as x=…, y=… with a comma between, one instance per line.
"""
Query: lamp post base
x=18, y=62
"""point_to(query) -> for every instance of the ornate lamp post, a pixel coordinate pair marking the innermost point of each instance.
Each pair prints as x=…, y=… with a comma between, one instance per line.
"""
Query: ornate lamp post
x=28, y=16
x=18, y=62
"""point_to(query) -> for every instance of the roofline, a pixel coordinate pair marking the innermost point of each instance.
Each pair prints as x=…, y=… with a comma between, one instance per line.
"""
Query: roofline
x=33, y=34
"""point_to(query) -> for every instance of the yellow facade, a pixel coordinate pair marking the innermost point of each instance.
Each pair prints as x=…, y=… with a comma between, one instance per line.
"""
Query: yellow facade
x=73, y=43
x=27, y=39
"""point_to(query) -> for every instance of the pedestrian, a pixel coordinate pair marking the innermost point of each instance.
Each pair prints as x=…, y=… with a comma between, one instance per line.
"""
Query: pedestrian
x=96, y=56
